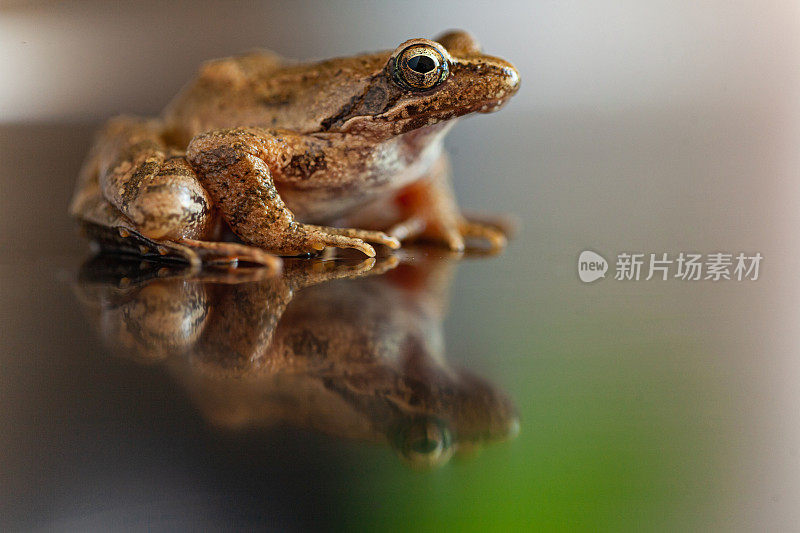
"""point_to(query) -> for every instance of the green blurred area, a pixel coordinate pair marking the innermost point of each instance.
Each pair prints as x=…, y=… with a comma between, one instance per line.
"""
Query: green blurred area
x=629, y=414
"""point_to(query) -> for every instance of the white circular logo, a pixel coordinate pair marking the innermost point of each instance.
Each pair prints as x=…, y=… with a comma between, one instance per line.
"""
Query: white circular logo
x=591, y=266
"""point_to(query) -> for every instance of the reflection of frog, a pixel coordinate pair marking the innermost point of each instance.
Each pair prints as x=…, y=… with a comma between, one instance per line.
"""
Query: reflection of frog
x=347, y=141
x=357, y=358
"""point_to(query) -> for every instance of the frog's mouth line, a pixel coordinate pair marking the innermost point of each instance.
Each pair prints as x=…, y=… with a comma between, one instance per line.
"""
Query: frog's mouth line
x=419, y=121
x=491, y=106
x=487, y=106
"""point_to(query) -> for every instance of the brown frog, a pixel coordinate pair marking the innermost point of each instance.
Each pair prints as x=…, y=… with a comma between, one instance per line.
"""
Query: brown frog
x=270, y=151
x=359, y=358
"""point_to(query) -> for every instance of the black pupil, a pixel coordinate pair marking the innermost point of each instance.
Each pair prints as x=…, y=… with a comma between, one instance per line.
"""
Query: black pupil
x=421, y=64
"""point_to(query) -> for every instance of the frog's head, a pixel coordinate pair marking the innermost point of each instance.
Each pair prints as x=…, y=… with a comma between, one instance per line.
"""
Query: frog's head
x=426, y=82
x=453, y=413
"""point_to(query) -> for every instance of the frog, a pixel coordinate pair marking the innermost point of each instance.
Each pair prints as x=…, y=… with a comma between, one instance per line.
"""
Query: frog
x=350, y=347
x=260, y=157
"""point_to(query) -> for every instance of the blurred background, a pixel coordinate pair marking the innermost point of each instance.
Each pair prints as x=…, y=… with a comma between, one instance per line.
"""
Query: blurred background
x=658, y=126
x=88, y=60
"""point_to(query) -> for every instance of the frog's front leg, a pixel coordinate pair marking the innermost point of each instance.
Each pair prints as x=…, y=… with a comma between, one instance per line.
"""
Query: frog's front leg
x=236, y=167
x=429, y=211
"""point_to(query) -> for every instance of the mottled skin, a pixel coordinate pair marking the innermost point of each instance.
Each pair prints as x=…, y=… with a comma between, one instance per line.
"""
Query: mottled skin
x=361, y=358
x=270, y=150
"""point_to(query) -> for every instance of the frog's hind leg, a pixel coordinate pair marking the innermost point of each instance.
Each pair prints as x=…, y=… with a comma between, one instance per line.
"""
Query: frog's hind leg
x=113, y=232
x=104, y=223
x=134, y=182
x=149, y=182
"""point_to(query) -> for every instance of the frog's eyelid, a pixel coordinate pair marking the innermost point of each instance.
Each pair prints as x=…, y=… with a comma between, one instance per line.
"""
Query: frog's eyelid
x=421, y=42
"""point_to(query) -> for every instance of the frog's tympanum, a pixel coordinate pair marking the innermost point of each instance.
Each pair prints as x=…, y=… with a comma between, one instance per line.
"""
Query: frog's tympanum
x=260, y=156
x=359, y=358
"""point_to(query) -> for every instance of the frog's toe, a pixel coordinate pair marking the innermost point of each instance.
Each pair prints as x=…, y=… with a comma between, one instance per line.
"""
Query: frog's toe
x=454, y=240
x=408, y=229
x=491, y=234
x=321, y=239
x=386, y=240
x=364, y=235
x=232, y=254
x=448, y=235
x=377, y=237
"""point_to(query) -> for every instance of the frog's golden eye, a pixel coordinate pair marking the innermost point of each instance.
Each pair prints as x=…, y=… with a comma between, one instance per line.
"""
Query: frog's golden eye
x=420, y=67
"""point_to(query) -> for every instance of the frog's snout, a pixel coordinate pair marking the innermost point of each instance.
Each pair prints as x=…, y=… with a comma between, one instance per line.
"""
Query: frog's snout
x=511, y=78
x=503, y=85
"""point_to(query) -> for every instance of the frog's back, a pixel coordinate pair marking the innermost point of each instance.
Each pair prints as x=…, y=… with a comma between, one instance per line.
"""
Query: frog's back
x=214, y=97
x=266, y=90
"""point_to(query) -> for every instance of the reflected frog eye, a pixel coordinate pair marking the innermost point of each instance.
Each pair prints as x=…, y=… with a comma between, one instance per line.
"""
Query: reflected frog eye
x=420, y=67
x=424, y=442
